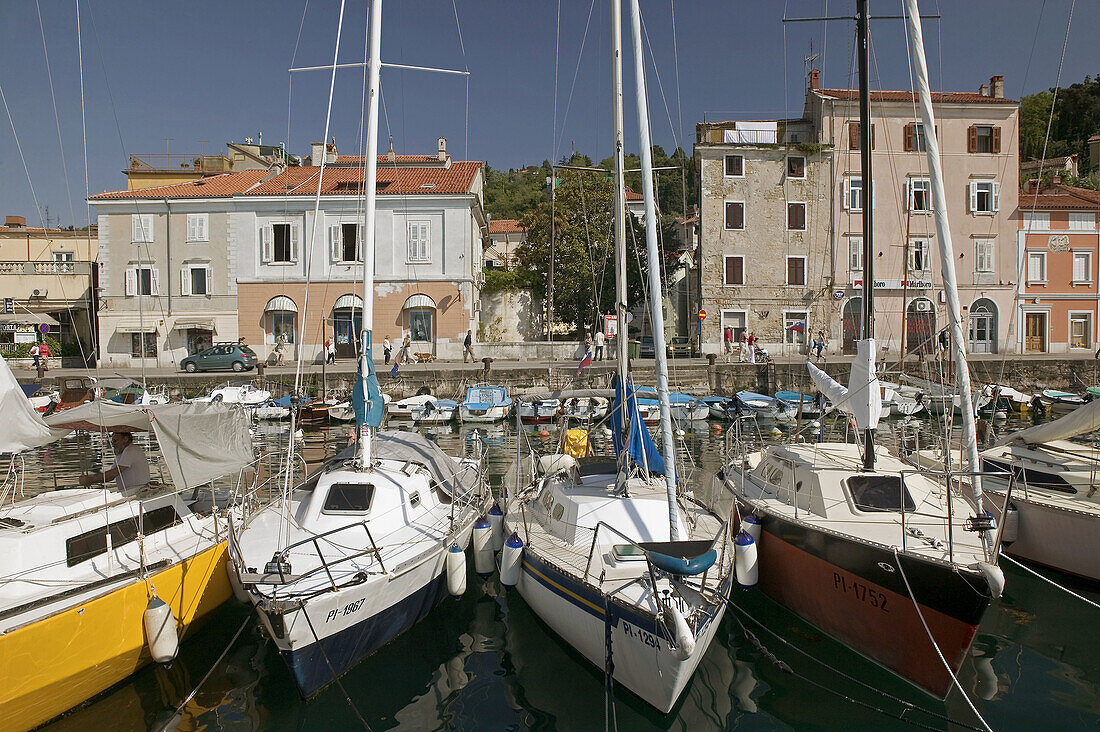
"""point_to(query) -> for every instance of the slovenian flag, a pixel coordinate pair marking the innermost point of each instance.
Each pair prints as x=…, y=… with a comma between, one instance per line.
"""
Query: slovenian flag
x=584, y=362
x=799, y=327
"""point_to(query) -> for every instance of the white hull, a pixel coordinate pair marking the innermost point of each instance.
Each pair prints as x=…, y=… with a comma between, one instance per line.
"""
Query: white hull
x=492, y=414
x=1058, y=537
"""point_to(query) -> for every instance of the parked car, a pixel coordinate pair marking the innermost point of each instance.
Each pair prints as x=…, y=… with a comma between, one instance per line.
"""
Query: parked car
x=221, y=356
x=680, y=347
x=645, y=348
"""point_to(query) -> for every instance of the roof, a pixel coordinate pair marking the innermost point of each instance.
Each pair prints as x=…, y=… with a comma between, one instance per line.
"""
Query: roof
x=383, y=159
x=58, y=233
x=506, y=226
x=1057, y=196
x=633, y=195
x=302, y=181
x=908, y=96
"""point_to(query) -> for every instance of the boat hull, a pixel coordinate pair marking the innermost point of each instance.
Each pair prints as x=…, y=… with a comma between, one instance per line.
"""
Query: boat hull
x=59, y=662
x=843, y=587
x=1053, y=536
x=492, y=414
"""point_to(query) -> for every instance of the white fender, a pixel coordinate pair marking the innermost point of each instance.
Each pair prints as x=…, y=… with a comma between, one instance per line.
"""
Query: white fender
x=456, y=570
x=745, y=560
x=483, y=547
x=750, y=524
x=1011, y=528
x=496, y=522
x=160, y=631
x=994, y=576
x=553, y=463
x=685, y=639
x=511, y=561
x=985, y=684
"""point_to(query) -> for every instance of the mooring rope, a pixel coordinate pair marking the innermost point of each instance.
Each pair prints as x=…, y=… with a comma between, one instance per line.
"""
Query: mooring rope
x=1050, y=581
x=195, y=691
x=331, y=670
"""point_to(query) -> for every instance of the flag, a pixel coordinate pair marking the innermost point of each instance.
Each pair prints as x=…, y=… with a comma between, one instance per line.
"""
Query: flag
x=799, y=327
x=393, y=371
x=584, y=362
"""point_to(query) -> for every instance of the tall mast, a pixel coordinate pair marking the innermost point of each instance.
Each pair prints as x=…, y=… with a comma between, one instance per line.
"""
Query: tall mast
x=947, y=252
x=371, y=170
x=621, y=341
x=868, y=202
x=656, y=300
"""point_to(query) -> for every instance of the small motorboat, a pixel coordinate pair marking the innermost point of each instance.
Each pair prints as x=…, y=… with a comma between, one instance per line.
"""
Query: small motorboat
x=1061, y=402
x=724, y=408
x=538, y=411
x=39, y=398
x=684, y=407
x=583, y=409
x=248, y=395
x=436, y=411
x=811, y=407
x=273, y=409
x=404, y=408
x=485, y=403
x=761, y=405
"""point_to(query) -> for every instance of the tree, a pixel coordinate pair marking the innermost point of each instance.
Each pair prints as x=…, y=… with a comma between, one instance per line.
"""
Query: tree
x=1076, y=118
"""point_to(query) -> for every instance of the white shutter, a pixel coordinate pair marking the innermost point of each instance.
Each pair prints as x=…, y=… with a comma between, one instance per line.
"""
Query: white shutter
x=192, y=227
x=266, y=238
x=185, y=281
x=156, y=282
x=204, y=227
x=847, y=194
x=294, y=242
x=209, y=281
x=973, y=197
x=909, y=195
x=359, y=243
x=334, y=243
x=425, y=242
x=135, y=227
x=996, y=196
x=131, y=282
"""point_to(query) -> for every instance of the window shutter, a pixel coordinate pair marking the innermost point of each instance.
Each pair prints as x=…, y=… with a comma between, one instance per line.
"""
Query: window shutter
x=910, y=137
x=209, y=281
x=131, y=282
x=972, y=139
x=334, y=243
x=185, y=281
x=909, y=197
x=996, y=139
x=425, y=242
x=156, y=282
x=996, y=196
x=359, y=243
x=853, y=135
x=266, y=238
x=135, y=227
x=973, y=194
x=192, y=226
x=294, y=242
x=872, y=136
x=204, y=226
x=847, y=197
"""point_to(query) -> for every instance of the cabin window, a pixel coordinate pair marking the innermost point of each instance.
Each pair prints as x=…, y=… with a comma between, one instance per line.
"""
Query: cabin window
x=880, y=493
x=414, y=499
x=85, y=546
x=348, y=498
x=1030, y=477
x=559, y=511
x=92, y=543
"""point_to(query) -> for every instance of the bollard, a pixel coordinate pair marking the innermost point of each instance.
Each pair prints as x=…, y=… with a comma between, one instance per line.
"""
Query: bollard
x=41, y=368
x=488, y=365
x=260, y=366
x=712, y=372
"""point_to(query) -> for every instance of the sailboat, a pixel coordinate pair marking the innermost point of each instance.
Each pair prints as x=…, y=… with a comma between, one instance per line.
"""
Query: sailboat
x=608, y=552
x=895, y=563
x=356, y=554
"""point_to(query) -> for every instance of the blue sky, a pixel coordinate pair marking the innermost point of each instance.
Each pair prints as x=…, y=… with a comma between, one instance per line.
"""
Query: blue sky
x=217, y=71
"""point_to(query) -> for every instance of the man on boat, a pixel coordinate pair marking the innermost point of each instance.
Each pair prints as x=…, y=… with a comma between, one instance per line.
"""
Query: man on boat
x=599, y=345
x=131, y=468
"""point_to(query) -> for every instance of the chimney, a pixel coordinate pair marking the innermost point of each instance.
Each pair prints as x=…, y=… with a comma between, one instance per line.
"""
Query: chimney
x=997, y=86
x=443, y=149
x=391, y=156
x=317, y=152
x=815, y=78
x=16, y=222
x=984, y=90
x=1032, y=185
x=330, y=152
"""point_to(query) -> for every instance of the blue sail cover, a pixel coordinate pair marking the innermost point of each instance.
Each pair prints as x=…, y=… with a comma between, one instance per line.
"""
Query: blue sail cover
x=639, y=442
x=369, y=407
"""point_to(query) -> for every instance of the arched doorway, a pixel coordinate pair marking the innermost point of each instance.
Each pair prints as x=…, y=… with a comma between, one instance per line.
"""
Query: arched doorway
x=347, y=325
x=419, y=318
x=920, y=326
x=851, y=326
x=281, y=326
x=983, y=326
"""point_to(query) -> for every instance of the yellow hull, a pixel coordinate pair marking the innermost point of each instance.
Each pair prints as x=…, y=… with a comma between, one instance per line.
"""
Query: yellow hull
x=62, y=660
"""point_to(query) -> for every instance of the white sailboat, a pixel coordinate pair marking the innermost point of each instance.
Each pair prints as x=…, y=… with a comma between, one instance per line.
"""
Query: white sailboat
x=626, y=569
x=873, y=553
x=355, y=556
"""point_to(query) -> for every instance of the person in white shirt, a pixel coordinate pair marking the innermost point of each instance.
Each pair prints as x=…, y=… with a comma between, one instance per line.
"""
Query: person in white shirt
x=599, y=345
x=131, y=468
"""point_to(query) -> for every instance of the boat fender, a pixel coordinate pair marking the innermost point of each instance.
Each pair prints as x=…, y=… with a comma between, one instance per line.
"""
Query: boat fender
x=745, y=560
x=750, y=524
x=685, y=639
x=555, y=462
x=511, y=561
x=994, y=576
x=456, y=570
x=986, y=684
x=160, y=631
x=496, y=522
x=1010, y=531
x=483, y=547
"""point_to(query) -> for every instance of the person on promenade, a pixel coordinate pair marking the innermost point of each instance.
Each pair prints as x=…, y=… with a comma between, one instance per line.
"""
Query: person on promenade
x=44, y=353
x=599, y=345
x=945, y=344
x=387, y=349
x=330, y=351
x=468, y=347
x=131, y=469
x=727, y=341
x=752, y=347
x=280, y=349
x=403, y=355
x=743, y=346
x=36, y=358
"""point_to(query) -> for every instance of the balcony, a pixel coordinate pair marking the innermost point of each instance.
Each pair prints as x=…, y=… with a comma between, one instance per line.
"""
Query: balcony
x=46, y=281
x=179, y=163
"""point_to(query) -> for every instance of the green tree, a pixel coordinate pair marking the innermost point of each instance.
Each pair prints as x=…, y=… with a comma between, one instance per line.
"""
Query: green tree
x=1076, y=118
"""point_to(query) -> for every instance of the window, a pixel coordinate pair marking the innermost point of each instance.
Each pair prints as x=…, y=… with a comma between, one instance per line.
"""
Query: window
x=855, y=253
x=794, y=327
x=983, y=139
x=141, y=227
x=796, y=166
x=1036, y=267
x=142, y=281
x=63, y=256
x=880, y=493
x=143, y=345
x=735, y=215
x=918, y=255
x=920, y=195
x=348, y=498
x=1082, y=221
x=279, y=243
x=983, y=255
x=197, y=227
x=1036, y=221
x=796, y=271
x=796, y=216
x=1082, y=267
x=420, y=324
x=734, y=271
x=915, y=140
x=735, y=166
x=854, y=138
x=985, y=196
x=420, y=240
x=1080, y=330
x=853, y=194
x=282, y=325
x=195, y=279
x=345, y=242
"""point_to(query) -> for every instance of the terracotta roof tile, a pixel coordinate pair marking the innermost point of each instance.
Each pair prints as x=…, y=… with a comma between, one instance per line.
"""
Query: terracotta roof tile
x=632, y=195
x=506, y=226
x=382, y=159
x=907, y=96
x=1059, y=197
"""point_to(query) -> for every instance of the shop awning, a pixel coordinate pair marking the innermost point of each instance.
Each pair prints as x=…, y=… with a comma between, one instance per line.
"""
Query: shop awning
x=195, y=324
x=281, y=303
x=349, y=301
x=419, y=301
x=137, y=326
x=28, y=319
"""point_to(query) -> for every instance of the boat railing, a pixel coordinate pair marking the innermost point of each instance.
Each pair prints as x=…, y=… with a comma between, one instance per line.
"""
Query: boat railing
x=281, y=565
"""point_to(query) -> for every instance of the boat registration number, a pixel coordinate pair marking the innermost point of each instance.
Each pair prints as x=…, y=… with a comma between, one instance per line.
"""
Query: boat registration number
x=642, y=636
x=862, y=592
x=346, y=610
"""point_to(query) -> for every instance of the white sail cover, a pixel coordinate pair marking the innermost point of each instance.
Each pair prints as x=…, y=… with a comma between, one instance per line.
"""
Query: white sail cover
x=863, y=397
x=23, y=428
x=1078, y=422
x=199, y=441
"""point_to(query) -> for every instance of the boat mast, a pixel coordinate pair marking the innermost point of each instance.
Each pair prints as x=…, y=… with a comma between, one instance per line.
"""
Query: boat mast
x=370, y=184
x=656, y=300
x=619, y=217
x=947, y=252
x=868, y=202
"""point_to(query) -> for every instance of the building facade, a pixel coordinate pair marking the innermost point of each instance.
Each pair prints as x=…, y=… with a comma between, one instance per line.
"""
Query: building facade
x=1058, y=246
x=505, y=236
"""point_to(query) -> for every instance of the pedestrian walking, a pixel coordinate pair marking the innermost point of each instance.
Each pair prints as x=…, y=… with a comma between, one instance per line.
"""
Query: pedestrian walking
x=44, y=353
x=387, y=349
x=727, y=341
x=824, y=343
x=945, y=344
x=35, y=357
x=330, y=351
x=403, y=355
x=599, y=345
x=752, y=347
x=468, y=347
x=743, y=346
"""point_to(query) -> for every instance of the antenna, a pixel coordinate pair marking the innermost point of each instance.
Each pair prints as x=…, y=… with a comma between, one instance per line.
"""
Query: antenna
x=808, y=61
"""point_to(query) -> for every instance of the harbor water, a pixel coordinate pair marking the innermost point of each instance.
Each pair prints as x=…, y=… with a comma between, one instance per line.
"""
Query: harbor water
x=486, y=662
